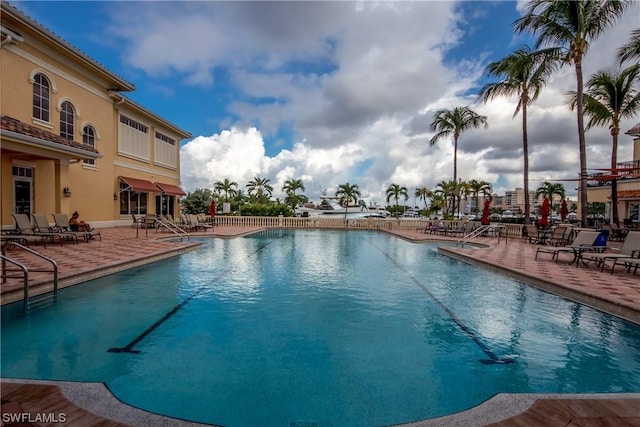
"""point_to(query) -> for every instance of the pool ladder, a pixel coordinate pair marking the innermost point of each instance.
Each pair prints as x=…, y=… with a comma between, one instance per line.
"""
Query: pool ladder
x=475, y=233
x=174, y=228
x=22, y=271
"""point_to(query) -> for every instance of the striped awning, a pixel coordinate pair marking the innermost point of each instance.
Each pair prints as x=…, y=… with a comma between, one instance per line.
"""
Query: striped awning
x=139, y=185
x=170, y=189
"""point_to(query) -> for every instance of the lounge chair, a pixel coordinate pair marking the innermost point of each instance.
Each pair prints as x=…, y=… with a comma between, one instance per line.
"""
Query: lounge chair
x=584, y=241
x=62, y=224
x=559, y=236
x=615, y=232
x=24, y=227
x=462, y=229
x=629, y=263
x=630, y=249
x=42, y=225
x=196, y=224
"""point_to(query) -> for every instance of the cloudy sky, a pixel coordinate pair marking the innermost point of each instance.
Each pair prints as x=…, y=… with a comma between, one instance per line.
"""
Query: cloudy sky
x=335, y=92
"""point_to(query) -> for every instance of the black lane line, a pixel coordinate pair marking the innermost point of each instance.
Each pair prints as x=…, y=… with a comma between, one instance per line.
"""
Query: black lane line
x=129, y=347
x=492, y=358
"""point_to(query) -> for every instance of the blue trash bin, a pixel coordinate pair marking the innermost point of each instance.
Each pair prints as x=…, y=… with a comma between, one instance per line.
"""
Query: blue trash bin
x=602, y=238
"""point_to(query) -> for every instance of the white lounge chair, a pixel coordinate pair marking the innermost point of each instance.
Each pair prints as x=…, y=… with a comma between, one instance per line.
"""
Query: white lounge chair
x=583, y=242
x=630, y=249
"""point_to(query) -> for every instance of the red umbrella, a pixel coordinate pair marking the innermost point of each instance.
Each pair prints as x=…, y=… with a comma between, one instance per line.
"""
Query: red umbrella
x=563, y=210
x=486, y=213
x=545, y=211
x=212, y=208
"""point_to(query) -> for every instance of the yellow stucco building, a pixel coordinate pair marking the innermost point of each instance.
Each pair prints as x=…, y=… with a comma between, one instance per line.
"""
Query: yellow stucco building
x=70, y=140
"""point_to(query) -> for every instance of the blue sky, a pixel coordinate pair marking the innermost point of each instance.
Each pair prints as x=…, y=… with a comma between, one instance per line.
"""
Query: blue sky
x=331, y=92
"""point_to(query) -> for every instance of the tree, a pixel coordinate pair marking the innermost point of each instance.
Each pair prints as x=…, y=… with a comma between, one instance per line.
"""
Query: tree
x=523, y=74
x=572, y=25
x=395, y=191
x=260, y=189
x=631, y=50
x=479, y=187
x=447, y=191
x=197, y=201
x=347, y=194
x=452, y=123
x=548, y=189
x=610, y=97
x=290, y=187
x=424, y=194
x=227, y=187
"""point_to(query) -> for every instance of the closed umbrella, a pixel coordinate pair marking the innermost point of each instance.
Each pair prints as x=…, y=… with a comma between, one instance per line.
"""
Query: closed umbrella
x=486, y=220
x=212, y=208
x=563, y=210
x=545, y=211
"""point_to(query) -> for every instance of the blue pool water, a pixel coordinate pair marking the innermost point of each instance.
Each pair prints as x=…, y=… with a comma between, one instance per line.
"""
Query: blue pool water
x=341, y=328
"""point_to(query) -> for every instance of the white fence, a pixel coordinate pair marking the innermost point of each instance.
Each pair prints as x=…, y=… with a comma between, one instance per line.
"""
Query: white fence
x=339, y=222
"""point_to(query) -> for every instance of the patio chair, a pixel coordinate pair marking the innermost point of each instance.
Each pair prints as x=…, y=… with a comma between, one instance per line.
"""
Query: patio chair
x=42, y=225
x=137, y=221
x=630, y=249
x=584, y=241
x=559, y=236
x=62, y=224
x=196, y=224
x=531, y=233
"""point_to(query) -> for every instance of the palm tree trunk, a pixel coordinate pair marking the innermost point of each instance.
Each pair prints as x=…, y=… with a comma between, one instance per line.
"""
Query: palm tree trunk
x=525, y=154
x=455, y=171
x=584, y=205
x=614, y=184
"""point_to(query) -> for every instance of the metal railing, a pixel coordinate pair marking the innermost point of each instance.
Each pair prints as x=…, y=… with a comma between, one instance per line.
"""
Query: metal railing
x=23, y=270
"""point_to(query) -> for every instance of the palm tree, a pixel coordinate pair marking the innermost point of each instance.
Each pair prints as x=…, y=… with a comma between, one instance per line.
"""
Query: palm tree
x=290, y=187
x=454, y=122
x=438, y=202
x=479, y=187
x=395, y=191
x=630, y=50
x=522, y=73
x=260, y=188
x=347, y=193
x=572, y=25
x=610, y=97
x=227, y=187
x=423, y=193
x=447, y=190
x=548, y=189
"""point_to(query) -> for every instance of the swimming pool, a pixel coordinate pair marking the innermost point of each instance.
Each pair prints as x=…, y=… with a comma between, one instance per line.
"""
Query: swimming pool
x=342, y=328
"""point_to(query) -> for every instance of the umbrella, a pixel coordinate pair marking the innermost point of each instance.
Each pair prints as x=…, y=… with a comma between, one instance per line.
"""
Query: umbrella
x=545, y=211
x=485, y=213
x=563, y=210
x=212, y=208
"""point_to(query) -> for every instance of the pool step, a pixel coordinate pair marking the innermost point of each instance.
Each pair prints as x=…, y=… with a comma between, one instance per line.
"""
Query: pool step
x=304, y=423
x=42, y=301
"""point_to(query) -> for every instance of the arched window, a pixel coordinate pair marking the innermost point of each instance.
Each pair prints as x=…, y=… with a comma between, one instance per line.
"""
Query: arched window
x=41, y=97
x=67, y=120
x=89, y=138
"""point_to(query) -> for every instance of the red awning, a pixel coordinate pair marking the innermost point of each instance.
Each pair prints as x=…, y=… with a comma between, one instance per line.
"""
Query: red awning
x=139, y=185
x=173, y=190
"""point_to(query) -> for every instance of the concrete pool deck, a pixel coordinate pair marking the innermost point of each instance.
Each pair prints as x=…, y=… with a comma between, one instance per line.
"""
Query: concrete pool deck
x=123, y=247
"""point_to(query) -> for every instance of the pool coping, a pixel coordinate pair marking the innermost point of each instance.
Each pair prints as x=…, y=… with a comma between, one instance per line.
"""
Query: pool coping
x=97, y=399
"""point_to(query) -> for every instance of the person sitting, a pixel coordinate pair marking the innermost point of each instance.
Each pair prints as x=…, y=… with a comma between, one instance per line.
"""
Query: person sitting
x=76, y=224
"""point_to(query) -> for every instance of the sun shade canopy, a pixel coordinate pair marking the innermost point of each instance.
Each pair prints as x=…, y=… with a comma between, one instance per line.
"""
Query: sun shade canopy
x=173, y=190
x=139, y=185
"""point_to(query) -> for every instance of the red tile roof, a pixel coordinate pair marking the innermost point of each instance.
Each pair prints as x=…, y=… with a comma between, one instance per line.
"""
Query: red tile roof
x=634, y=131
x=13, y=125
x=629, y=194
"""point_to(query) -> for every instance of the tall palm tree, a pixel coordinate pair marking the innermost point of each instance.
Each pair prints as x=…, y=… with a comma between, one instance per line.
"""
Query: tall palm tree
x=610, y=97
x=572, y=25
x=290, y=187
x=227, y=187
x=395, y=191
x=630, y=50
x=260, y=188
x=347, y=193
x=478, y=187
x=424, y=194
x=522, y=73
x=454, y=122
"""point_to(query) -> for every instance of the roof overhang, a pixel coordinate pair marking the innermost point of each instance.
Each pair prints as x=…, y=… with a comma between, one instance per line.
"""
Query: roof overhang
x=28, y=144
